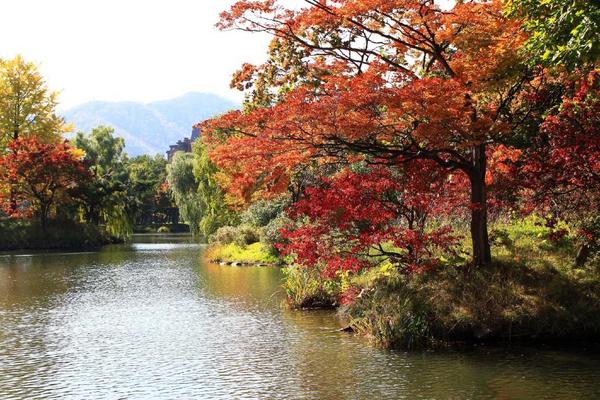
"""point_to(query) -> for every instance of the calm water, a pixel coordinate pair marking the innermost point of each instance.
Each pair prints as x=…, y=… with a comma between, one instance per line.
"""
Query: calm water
x=151, y=320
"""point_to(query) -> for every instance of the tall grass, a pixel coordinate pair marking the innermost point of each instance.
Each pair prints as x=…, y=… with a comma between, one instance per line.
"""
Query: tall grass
x=306, y=289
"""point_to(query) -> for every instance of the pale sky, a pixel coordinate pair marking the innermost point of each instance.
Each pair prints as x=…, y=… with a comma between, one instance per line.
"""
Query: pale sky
x=141, y=50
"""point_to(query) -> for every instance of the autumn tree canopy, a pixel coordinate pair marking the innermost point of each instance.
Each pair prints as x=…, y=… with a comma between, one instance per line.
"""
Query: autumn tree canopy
x=387, y=83
x=27, y=107
x=41, y=174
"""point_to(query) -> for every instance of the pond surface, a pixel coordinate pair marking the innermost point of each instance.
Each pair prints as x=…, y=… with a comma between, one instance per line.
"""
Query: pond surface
x=151, y=320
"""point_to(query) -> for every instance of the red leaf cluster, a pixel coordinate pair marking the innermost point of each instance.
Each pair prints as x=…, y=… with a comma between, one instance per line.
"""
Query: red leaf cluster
x=354, y=219
x=35, y=175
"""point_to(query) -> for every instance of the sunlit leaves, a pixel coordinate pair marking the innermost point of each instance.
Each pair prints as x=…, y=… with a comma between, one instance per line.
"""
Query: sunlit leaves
x=37, y=176
x=27, y=107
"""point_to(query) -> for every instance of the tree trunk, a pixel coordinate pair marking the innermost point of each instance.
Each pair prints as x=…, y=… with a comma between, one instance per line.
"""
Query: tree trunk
x=13, y=198
x=13, y=189
x=44, y=216
x=582, y=255
x=479, y=231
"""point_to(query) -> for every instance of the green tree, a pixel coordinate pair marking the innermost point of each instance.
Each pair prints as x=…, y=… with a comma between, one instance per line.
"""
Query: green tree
x=562, y=31
x=147, y=176
x=184, y=189
x=27, y=107
x=215, y=212
x=105, y=200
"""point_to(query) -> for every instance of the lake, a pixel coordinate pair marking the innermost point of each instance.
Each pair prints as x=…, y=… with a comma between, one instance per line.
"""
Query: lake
x=152, y=320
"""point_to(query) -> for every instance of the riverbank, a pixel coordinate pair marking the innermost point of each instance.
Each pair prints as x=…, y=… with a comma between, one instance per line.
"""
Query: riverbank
x=155, y=320
x=531, y=293
x=502, y=303
x=234, y=254
x=64, y=235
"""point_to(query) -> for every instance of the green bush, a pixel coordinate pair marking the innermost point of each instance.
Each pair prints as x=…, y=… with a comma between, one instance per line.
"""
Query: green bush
x=242, y=235
x=262, y=212
x=224, y=235
x=247, y=235
x=163, y=229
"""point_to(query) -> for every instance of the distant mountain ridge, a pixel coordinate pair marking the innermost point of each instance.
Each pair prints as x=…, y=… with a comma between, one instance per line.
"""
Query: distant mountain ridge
x=149, y=128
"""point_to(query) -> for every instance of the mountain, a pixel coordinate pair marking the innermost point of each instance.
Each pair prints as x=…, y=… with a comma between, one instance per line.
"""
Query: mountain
x=149, y=128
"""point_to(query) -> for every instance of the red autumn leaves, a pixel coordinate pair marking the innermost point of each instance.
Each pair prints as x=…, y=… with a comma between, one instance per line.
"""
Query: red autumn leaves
x=399, y=118
x=35, y=175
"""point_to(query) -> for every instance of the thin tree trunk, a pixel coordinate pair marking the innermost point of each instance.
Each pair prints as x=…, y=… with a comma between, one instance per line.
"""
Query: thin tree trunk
x=44, y=216
x=479, y=231
x=582, y=255
x=13, y=189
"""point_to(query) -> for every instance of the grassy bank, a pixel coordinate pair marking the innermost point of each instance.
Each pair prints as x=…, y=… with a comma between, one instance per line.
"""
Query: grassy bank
x=504, y=302
x=530, y=293
x=64, y=235
x=255, y=253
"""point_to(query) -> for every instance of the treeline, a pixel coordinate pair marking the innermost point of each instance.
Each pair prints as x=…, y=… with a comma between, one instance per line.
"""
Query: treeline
x=237, y=234
x=57, y=193
x=436, y=171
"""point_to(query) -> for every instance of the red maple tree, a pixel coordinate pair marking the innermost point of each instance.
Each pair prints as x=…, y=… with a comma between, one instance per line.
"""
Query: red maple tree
x=41, y=175
x=386, y=83
x=357, y=219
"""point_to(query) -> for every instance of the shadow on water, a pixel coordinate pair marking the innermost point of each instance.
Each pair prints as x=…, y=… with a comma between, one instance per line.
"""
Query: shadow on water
x=151, y=320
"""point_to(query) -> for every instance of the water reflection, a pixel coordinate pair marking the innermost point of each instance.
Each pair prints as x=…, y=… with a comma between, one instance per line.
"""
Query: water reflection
x=151, y=320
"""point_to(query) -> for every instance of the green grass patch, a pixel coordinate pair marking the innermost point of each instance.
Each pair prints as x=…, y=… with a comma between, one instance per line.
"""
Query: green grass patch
x=256, y=253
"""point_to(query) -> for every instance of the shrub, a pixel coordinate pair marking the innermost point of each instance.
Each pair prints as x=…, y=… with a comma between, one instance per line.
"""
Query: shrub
x=163, y=229
x=247, y=235
x=391, y=313
x=271, y=233
x=224, y=235
x=242, y=235
x=262, y=212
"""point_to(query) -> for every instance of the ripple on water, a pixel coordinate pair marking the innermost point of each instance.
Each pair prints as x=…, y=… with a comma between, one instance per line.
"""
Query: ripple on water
x=152, y=321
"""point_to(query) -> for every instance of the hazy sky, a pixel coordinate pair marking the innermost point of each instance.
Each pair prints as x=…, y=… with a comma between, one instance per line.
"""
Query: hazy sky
x=140, y=50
